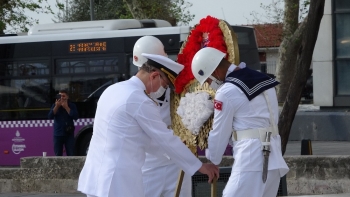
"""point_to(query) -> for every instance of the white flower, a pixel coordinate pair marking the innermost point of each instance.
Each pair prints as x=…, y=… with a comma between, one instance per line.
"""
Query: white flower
x=194, y=110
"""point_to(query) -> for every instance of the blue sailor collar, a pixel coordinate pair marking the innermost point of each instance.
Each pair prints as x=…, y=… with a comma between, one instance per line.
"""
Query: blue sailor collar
x=251, y=82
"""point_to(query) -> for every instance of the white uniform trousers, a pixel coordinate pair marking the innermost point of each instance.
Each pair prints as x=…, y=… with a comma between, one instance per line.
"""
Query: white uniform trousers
x=161, y=181
x=243, y=184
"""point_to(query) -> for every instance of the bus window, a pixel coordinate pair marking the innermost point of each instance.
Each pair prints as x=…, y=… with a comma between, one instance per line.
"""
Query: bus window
x=25, y=68
x=132, y=68
x=173, y=56
x=88, y=65
x=24, y=99
x=85, y=91
x=104, y=65
x=248, y=49
x=243, y=38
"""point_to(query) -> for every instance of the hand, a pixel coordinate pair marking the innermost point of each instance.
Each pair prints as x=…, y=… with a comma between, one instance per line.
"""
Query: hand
x=211, y=170
x=58, y=102
x=64, y=104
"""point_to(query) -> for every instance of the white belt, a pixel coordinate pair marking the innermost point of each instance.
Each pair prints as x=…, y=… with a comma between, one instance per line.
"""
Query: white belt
x=259, y=133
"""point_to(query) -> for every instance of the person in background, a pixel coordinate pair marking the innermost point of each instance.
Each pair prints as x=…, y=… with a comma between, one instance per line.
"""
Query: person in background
x=63, y=112
x=160, y=173
x=246, y=111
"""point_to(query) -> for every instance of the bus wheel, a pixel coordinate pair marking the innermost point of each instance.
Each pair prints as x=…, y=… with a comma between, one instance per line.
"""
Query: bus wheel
x=84, y=143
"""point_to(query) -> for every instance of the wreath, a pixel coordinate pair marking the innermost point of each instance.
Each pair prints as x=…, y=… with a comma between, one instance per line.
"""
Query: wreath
x=210, y=32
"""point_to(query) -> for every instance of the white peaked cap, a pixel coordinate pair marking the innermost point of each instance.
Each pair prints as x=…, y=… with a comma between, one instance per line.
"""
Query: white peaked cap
x=168, y=66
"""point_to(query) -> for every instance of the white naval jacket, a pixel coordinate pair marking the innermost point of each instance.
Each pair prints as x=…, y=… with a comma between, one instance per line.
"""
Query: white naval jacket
x=238, y=113
x=126, y=122
x=152, y=160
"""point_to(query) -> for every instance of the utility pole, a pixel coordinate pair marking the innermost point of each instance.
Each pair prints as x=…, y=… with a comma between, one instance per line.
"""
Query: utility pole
x=66, y=9
x=92, y=10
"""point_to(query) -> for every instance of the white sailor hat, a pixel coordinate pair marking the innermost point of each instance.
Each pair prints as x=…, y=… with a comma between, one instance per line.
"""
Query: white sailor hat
x=169, y=67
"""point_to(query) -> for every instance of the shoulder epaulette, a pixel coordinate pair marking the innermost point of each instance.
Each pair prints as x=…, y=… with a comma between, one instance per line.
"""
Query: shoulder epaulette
x=151, y=98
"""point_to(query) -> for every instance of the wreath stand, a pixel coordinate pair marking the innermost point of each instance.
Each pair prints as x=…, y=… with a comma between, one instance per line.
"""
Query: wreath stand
x=210, y=32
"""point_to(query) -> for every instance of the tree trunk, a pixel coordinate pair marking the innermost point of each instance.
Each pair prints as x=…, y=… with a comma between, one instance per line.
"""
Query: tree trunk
x=302, y=72
x=288, y=49
x=151, y=9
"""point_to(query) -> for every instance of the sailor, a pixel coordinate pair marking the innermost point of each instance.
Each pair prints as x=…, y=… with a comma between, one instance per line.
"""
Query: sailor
x=160, y=173
x=246, y=111
x=127, y=124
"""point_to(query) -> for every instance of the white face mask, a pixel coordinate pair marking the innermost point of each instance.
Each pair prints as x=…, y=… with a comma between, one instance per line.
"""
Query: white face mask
x=159, y=92
x=215, y=83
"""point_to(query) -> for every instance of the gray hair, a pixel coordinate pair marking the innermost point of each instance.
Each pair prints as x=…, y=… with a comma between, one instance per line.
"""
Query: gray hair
x=148, y=68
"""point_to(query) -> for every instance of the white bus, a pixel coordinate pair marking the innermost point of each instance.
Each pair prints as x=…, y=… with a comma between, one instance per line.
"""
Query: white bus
x=84, y=58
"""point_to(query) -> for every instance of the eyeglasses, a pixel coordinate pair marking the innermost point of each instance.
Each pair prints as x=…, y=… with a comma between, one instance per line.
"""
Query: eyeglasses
x=165, y=81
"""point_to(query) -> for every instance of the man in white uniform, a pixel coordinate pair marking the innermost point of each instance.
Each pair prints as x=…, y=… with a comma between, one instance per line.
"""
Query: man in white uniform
x=160, y=173
x=246, y=108
x=127, y=123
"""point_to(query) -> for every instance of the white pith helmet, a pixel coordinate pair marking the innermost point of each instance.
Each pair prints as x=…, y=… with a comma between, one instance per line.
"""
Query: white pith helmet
x=147, y=44
x=205, y=62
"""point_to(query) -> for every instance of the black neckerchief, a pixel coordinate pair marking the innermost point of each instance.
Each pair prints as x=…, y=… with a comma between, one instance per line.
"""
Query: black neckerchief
x=162, y=98
x=251, y=82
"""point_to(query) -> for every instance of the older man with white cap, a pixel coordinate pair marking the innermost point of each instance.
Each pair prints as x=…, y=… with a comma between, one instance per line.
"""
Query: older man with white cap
x=127, y=121
x=160, y=173
x=246, y=110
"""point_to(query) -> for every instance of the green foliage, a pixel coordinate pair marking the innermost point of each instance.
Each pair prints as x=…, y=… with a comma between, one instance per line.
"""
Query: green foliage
x=124, y=12
x=79, y=10
x=174, y=11
x=180, y=12
x=13, y=15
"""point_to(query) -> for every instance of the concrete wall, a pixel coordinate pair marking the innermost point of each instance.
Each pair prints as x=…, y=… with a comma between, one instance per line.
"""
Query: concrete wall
x=322, y=61
x=307, y=175
x=42, y=174
x=321, y=126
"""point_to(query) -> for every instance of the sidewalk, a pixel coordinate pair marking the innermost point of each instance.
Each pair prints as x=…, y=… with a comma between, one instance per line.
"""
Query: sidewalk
x=40, y=195
x=325, y=195
x=82, y=195
x=320, y=148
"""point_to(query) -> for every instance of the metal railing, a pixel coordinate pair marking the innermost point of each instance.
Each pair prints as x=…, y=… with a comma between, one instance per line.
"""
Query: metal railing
x=269, y=67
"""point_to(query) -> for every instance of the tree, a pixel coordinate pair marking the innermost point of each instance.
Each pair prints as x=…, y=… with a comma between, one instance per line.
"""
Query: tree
x=173, y=11
x=288, y=48
x=290, y=18
x=301, y=20
x=79, y=10
x=286, y=62
x=13, y=17
x=308, y=32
